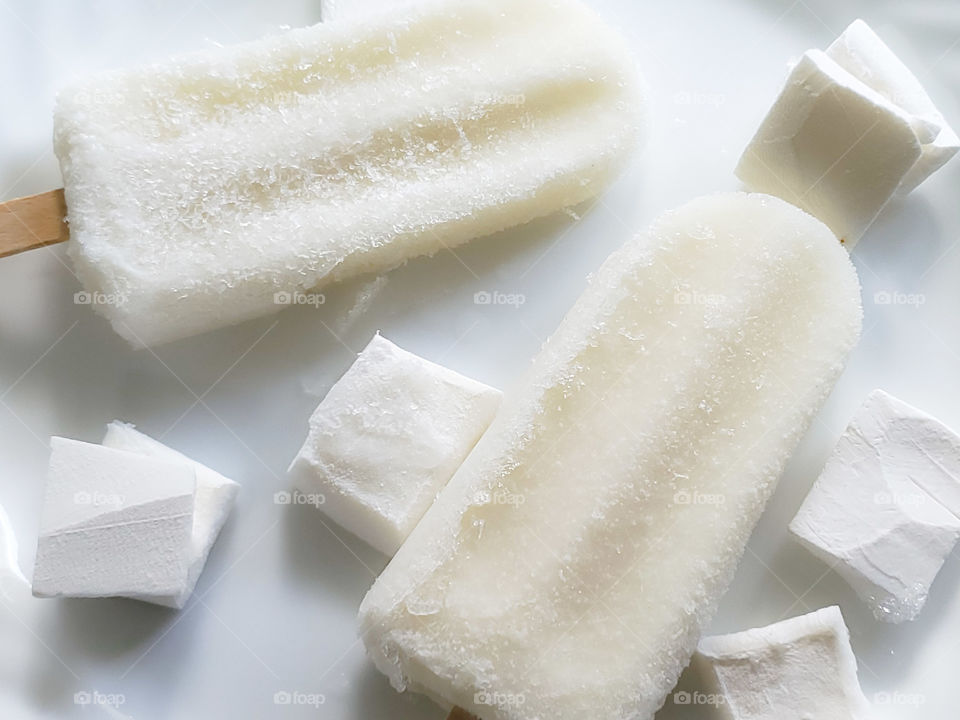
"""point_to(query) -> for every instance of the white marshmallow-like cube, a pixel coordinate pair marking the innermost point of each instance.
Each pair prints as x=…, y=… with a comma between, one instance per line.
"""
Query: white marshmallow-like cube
x=114, y=523
x=387, y=438
x=797, y=669
x=885, y=511
x=861, y=52
x=851, y=129
x=831, y=146
x=131, y=518
x=215, y=495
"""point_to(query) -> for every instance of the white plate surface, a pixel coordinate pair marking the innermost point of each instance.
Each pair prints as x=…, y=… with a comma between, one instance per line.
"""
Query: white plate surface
x=274, y=611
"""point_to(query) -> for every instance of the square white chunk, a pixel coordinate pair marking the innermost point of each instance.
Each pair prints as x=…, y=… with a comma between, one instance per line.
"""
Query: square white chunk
x=831, y=146
x=885, y=511
x=213, y=501
x=861, y=52
x=799, y=669
x=851, y=128
x=387, y=438
x=113, y=524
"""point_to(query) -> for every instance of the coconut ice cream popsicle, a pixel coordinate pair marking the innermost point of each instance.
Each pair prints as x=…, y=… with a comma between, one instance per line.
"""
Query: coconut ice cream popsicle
x=200, y=188
x=644, y=440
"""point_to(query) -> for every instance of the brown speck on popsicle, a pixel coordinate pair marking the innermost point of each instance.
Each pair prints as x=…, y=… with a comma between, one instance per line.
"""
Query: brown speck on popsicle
x=458, y=714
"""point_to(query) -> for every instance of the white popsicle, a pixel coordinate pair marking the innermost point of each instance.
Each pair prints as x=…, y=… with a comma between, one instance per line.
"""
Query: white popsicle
x=201, y=190
x=645, y=440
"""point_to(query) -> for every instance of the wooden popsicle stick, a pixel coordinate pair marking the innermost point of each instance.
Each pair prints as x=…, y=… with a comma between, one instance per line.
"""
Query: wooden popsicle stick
x=32, y=222
x=458, y=714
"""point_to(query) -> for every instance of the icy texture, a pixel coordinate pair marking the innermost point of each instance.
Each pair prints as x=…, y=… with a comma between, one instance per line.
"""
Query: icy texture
x=213, y=501
x=864, y=55
x=387, y=438
x=200, y=188
x=113, y=524
x=885, y=511
x=798, y=669
x=832, y=146
x=639, y=452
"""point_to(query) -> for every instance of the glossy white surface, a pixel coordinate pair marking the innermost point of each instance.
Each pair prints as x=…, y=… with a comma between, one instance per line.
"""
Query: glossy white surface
x=274, y=610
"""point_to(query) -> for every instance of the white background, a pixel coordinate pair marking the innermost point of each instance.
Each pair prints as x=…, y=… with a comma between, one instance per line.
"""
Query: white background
x=275, y=609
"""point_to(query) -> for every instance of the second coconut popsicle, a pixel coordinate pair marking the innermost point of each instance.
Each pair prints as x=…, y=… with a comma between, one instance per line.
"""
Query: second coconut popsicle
x=645, y=440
